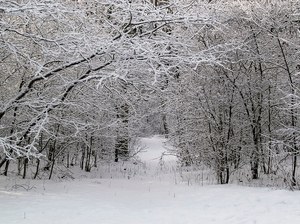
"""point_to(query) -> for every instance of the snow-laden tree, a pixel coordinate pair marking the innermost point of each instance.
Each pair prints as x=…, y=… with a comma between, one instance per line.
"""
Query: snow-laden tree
x=240, y=108
x=58, y=56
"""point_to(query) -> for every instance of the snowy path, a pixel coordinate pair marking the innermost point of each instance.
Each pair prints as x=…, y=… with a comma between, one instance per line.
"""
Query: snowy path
x=154, y=148
x=123, y=201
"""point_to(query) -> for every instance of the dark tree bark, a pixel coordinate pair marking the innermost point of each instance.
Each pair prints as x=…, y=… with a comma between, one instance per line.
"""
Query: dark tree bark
x=122, y=140
x=25, y=168
x=37, y=169
x=82, y=158
x=6, y=167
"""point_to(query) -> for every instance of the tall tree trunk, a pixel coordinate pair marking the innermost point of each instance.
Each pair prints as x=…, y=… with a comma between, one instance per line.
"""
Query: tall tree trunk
x=37, y=169
x=122, y=140
x=25, y=167
x=20, y=159
x=165, y=125
x=293, y=114
x=68, y=159
x=6, y=167
x=82, y=158
x=52, y=166
x=89, y=155
x=95, y=158
x=269, y=163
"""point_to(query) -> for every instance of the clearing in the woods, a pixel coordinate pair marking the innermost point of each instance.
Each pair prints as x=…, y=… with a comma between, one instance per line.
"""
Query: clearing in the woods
x=143, y=193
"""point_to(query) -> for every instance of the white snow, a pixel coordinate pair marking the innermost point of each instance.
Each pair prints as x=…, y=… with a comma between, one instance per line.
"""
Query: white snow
x=143, y=201
x=155, y=150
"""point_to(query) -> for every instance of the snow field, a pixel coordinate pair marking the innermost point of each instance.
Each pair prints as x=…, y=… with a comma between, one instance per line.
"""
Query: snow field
x=147, y=200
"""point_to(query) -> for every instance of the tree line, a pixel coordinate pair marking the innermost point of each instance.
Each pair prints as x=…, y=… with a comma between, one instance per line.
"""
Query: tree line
x=81, y=81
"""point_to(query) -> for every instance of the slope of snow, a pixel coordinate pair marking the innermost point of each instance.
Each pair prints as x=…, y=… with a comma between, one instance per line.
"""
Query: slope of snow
x=143, y=201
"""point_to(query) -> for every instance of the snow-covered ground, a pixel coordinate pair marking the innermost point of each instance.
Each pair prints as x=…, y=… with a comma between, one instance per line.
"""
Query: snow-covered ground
x=143, y=200
x=155, y=151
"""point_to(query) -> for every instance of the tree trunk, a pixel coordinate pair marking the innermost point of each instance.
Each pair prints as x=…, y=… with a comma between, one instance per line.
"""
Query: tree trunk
x=122, y=140
x=68, y=159
x=37, y=169
x=52, y=166
x=25, y=168
x=20, y=166
x=95, y=158
x=6, y=167
x=293, y=114
x=82, y=158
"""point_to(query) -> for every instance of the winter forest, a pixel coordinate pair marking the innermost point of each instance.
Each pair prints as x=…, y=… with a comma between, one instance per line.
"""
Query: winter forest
x=90, y=90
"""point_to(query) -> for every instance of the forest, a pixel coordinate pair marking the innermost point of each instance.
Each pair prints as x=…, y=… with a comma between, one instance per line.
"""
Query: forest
x=81, y=81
